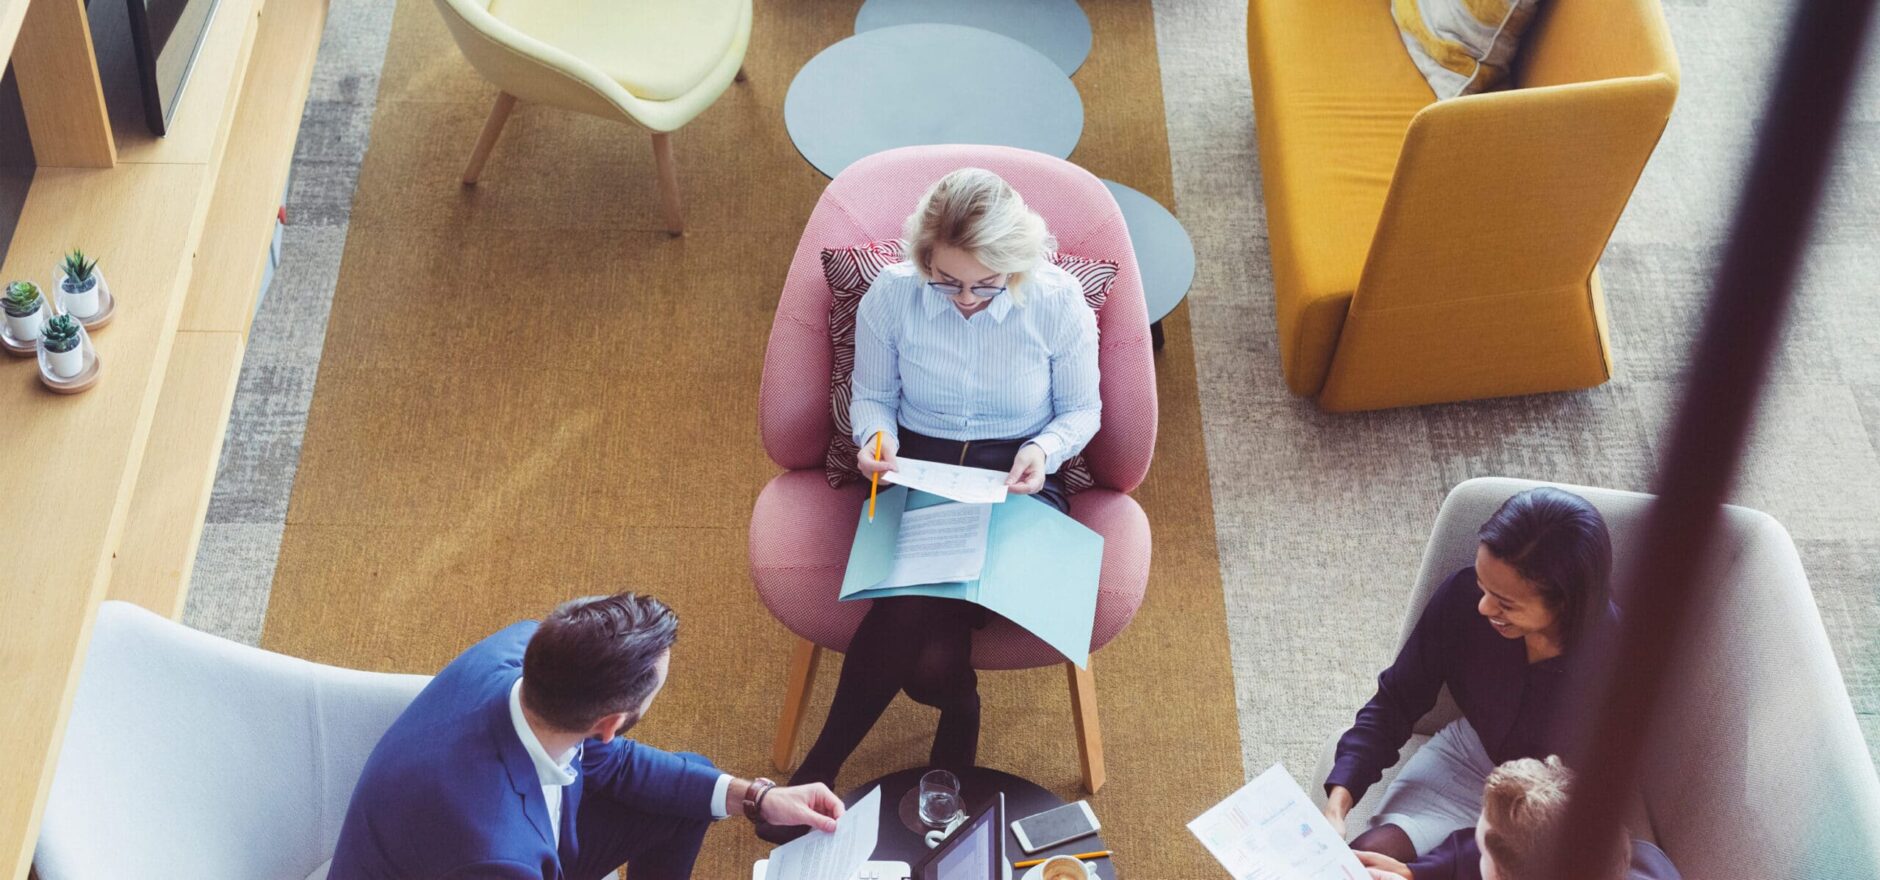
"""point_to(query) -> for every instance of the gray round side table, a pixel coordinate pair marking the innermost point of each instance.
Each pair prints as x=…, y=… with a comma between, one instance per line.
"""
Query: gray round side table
x=929, y=84
x=1164, y=254
x=1058, y=28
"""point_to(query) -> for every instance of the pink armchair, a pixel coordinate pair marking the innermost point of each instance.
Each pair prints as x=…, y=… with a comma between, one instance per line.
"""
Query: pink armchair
x=801, y=529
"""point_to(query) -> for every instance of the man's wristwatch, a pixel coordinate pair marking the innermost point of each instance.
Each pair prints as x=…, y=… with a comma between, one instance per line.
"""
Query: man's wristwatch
x=754, y=797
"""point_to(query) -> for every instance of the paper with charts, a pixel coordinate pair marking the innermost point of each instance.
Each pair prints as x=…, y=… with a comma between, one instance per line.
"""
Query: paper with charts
x=820, y=855
x=969, y=485
x=1270, y=830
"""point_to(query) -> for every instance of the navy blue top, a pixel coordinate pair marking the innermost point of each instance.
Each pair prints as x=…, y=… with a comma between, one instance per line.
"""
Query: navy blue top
x=1456, y=858
x=450, y=791
x=1509, y=701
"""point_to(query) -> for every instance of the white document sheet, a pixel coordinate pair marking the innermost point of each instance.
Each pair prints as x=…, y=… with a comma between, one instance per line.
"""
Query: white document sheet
x=820, y=855
x=940, y=544
x=1270, y=830
x=970, y=485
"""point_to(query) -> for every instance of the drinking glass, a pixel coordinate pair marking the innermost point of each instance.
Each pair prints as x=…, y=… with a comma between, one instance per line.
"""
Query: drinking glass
x=939, y=798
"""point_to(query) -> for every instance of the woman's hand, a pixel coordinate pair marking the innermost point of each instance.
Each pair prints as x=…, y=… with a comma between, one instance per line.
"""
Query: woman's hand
x=813, y=805
x=1027, y=475
x=865, y=459
x=1383, y=866
x=1337, y=804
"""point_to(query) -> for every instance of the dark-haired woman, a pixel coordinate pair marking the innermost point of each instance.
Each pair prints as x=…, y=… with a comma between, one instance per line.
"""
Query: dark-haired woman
x=1506, y=636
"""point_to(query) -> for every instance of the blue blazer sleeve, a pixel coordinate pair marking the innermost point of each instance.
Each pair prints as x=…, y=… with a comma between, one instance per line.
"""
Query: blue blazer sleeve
x=1405, y=692
x=649, y=779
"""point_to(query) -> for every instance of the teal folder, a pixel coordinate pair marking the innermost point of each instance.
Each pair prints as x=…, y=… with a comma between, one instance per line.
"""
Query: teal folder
x=1040, y=573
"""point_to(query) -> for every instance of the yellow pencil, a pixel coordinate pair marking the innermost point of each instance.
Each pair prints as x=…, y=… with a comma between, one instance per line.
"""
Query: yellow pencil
x=1101, y=854
x=874, y=479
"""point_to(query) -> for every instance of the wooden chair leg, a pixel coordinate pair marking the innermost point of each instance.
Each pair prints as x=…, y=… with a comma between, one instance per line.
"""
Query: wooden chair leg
x=668, y=182
x=1089, y=734
x=492, y=127
x=795, y=702
x=741, y=74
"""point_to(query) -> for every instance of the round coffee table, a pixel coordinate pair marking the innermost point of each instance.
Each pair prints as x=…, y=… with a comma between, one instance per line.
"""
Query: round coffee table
x=917, y=84
x=1164, y=253
x=1058, y=28
x=903, y=837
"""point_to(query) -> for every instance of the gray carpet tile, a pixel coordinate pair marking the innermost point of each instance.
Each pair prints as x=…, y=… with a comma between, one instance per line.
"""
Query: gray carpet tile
x=1321, y=519
x=234, y=570
x=228, y=590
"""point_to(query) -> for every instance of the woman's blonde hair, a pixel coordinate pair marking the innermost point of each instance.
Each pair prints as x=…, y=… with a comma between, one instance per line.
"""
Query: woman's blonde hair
x=976, y=211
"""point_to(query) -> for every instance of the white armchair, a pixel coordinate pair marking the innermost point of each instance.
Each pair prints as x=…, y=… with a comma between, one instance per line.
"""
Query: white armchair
x=1758, y=768
x=654, y=63
x=188, y=755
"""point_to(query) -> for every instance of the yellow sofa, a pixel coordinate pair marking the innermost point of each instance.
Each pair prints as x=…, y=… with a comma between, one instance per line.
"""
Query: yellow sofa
x=1428, y=251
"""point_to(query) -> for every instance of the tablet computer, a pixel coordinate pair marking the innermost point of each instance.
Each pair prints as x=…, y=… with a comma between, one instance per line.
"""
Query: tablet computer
x=975, y=851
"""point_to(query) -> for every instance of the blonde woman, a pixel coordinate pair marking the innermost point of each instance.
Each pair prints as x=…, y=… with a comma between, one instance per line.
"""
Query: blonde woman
x=974, y=351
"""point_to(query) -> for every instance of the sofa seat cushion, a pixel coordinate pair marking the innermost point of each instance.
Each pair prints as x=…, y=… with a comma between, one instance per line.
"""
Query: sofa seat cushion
x=1334, y=92
x=656, y=49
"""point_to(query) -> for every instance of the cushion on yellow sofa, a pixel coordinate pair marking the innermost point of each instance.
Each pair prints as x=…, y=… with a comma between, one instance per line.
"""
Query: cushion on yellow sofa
x=1463, y=46
x=656, y=49
x=1334, y=93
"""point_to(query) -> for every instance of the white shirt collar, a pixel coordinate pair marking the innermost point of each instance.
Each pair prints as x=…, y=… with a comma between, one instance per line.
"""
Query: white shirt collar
x=550, y=771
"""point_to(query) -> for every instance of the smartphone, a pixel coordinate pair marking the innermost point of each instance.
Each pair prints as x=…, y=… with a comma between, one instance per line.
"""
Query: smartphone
x=1052, y=827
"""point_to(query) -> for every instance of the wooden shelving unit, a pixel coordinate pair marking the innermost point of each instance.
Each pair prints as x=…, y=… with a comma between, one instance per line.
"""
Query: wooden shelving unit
x=114, y=482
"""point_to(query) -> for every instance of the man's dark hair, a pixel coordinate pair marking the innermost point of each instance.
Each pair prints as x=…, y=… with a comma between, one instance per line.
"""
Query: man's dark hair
x=1558, y=541
x=596, y=656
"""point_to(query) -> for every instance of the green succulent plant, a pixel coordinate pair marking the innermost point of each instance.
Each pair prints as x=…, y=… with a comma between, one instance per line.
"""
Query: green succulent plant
x=61, y=333
x=78, y=268
x=22, y=298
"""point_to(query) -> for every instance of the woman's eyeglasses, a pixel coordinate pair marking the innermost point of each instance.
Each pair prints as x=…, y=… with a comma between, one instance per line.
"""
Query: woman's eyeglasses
x=953, y=288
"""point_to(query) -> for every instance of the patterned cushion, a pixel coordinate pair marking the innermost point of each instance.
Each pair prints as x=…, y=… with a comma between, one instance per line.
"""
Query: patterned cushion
x=849, y=272
x=1462, y=46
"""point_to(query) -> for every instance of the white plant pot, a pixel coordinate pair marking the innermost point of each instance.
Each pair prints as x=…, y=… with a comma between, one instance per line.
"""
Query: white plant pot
x=26, y=329
x=81, y=304
x=67, y=364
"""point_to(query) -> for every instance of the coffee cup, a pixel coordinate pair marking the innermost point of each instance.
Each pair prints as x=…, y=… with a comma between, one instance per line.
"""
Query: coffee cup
x=1063, y=868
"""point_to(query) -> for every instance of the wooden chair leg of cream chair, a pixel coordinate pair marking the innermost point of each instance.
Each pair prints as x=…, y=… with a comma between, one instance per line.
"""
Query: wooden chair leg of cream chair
x=492, y=127
x=742, y=76
x=668, y=182
x=802, y=680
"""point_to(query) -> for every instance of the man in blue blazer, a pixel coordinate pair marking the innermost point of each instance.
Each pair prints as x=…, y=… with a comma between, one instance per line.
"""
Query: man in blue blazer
x=510, y=763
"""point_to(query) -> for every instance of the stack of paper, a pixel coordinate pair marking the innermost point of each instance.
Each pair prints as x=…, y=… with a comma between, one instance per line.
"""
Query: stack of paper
x=820, y=855
x=1270, y=830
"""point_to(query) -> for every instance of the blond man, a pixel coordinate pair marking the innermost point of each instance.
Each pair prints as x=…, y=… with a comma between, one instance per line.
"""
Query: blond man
x=1524, y=807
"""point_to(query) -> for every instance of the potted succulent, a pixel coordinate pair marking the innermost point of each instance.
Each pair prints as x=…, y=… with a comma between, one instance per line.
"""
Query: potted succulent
x=80, y=284
x=61, y=341
x=25, y=309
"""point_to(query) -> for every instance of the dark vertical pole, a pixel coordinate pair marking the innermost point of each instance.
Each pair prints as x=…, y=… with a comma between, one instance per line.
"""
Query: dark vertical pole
x=1744, y=321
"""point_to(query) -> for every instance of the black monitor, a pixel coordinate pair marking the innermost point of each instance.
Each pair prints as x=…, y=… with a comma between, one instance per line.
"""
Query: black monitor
x=166, y=34
x=975, y=850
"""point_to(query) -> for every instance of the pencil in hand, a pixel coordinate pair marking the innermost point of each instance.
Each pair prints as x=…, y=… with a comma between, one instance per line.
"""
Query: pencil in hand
x=874, y=479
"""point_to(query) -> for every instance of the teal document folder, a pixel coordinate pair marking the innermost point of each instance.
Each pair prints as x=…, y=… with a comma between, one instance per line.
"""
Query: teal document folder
x=1040, y=573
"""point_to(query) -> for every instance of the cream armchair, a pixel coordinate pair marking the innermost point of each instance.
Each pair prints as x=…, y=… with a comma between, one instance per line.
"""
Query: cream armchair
x=658, y=63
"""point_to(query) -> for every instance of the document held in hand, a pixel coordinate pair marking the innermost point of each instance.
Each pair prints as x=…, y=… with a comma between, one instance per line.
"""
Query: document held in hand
x=971, y=485
x=820, y=855
x=1270, y=830
x=1040, y=567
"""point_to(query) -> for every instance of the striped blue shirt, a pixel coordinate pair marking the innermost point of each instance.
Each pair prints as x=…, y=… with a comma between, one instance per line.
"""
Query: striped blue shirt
x=1010, y=371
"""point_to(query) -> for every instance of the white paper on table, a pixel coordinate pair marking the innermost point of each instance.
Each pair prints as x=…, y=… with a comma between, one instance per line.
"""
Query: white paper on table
x=970, y=485
x=820, y=855
x=1270, y=830
x=939, y=545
